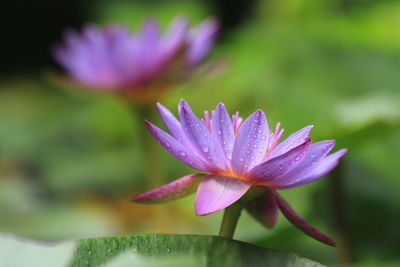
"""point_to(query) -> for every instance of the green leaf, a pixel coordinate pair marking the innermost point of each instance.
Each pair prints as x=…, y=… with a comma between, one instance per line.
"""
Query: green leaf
x=147, y=250
x=211, y=251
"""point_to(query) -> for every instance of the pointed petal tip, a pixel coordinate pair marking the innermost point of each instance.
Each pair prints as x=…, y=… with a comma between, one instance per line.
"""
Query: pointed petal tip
x=183, y=105
x=342, y=151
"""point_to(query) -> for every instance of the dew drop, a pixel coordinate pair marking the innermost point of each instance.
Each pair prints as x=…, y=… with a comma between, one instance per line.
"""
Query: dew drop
x=297, y=158
x=255, y=145
x=167, y=145
x=183, y=154
x=241, y=159
x=263, y=137
x=205, y=148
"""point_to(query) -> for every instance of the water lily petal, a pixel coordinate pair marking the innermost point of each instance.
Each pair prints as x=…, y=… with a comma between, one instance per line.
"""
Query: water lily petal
x=218, y=192
x=251, y=143
x=176, y=148
x=222, y=129
x=275, y=168
x=174, y=190
x=324, y=166
x=311, y=161
x=203, y=37
x=264, y=209
x=172, y=123
x=292, y=141
x=299, y=222
x=200, y=137
x=175, y=35
x=149, y=38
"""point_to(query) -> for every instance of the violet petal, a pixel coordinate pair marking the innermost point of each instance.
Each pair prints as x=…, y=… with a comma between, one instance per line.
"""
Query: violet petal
x=174, y=190
x=299, y=222
x=292, y=141
x=264, y=209
x=273, y=169
x=324, y=166
x=217, y=192
x=251, y=143
x=176, y=148
x=222, y=129
x=172, y=123
x=311, y=161
x=200, y=137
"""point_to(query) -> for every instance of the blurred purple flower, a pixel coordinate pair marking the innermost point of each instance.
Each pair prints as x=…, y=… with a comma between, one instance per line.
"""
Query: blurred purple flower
x=116, y=59
x=236, y=156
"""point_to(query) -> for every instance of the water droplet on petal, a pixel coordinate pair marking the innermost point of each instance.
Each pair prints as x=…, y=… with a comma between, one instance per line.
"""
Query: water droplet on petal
x=255, y=145
x=167, y=145
x=297, y=158
x=241, y=159
x=205, y=148
x=183, y=154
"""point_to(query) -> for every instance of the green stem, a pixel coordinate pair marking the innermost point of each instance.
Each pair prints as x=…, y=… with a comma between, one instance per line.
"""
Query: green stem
x=230, y=220
x=232, y=212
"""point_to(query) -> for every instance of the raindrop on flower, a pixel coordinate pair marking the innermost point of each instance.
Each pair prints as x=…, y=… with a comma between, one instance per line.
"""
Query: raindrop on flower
x=205, y=148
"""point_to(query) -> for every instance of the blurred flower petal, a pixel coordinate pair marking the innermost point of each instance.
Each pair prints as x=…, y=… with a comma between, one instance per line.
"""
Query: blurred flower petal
x=203, y=38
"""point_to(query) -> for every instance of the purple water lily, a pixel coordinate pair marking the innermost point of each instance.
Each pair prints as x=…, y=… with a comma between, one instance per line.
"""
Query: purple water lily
x=116, y=59
x=236, y=156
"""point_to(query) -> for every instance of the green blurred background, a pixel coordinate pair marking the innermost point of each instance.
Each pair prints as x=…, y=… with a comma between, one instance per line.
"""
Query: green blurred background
x=69, y=160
